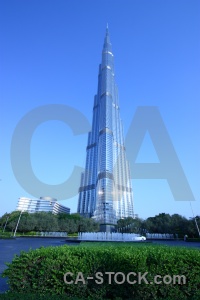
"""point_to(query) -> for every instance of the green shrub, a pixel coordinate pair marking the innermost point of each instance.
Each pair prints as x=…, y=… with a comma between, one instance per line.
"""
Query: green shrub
x=75, y=234
x=29, y=233
x=5, y=235
x=41, y=271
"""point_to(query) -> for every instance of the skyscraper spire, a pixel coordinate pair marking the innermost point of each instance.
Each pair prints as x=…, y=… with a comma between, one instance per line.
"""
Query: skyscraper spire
x=107, y=37
x=105, y=192
x=107, y=31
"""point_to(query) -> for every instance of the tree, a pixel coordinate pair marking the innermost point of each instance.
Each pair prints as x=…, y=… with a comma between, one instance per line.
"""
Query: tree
x=27, y=223
x=130, y=225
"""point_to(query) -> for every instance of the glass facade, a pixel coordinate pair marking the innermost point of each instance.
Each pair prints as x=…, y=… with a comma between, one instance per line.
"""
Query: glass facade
x=105, y=191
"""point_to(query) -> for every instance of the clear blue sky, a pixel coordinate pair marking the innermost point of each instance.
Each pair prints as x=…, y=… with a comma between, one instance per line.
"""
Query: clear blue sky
x=49, y=54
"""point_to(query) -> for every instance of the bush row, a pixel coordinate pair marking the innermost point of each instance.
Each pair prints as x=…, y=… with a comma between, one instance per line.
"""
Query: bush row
x=41, y=271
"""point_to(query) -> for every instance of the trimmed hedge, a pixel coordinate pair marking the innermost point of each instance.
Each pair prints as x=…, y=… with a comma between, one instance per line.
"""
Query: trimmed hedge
x=41, y=271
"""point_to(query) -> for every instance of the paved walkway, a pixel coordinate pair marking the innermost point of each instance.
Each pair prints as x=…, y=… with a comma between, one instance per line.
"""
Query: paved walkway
x=10, y=247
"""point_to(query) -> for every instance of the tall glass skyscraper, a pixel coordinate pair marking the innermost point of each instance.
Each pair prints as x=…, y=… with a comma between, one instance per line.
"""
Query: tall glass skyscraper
x=105, y=191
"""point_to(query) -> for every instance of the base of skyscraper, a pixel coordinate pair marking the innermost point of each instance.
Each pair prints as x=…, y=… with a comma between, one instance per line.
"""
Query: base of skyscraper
x=107, y=228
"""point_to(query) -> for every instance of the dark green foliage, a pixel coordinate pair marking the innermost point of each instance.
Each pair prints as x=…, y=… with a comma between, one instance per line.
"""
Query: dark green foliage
x=5, y=235
x=41, y=271
x=43, y=221
x=162, y=223
x=130, y=225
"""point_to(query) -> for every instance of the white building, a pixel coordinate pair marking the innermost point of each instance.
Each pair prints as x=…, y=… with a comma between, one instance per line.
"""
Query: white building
x=46, y=204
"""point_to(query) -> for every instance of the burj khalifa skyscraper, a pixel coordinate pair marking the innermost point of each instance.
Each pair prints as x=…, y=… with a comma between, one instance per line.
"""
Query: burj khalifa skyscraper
x=105, y=191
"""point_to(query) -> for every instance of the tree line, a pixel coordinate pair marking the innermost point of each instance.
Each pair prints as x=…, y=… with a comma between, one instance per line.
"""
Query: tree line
x=46, y=221
x=73, y=223
x=161, y=223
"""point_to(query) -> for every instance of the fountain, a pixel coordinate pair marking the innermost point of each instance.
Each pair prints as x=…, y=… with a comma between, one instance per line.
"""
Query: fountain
x=108, y=236
x=165, y=236
x=52, y=234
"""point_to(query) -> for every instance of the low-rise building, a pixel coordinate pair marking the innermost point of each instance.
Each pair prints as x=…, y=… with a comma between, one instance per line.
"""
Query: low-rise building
x=46, y=204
